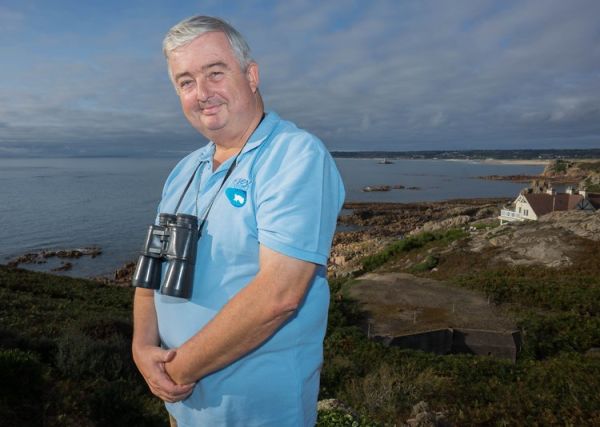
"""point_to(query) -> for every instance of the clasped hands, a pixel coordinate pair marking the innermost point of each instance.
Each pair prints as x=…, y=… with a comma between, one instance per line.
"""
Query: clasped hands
x=151, y=362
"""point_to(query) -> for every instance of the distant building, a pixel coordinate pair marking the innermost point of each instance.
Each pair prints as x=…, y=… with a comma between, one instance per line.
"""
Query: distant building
x=541, y=199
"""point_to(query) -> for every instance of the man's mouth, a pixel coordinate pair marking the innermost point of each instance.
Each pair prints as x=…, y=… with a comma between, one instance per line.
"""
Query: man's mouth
x=210, y=109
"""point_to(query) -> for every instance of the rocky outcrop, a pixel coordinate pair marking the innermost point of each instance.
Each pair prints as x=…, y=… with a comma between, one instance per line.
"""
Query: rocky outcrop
x=370, y=188
x=380, y=223
x=513, y=178
x=422, y=416
x=581, y=223
x=41, y=257
x=453, y=222
x=552, y=241
x=586, y=173
x=64, y=266
x=124, y=274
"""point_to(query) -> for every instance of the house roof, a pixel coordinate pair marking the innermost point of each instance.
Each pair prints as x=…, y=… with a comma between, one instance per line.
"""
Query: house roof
x=594, y=199
x=545, y=203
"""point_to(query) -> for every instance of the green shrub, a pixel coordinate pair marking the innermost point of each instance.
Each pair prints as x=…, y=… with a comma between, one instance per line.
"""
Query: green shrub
x=339, y=418
x=429, y=263
x=117, y=403
x=21, y=389
x=90, y=352
x=372, y=262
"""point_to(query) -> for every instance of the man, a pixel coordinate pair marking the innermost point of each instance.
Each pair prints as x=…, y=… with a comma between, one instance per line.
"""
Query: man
x=246, y=348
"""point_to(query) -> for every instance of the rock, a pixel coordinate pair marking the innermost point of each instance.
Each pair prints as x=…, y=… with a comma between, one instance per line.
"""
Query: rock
x=41, y=256
x=64, y=266
x=125, y=273
x=334, y=405
x=379, y=224
x=552, y=241
x=422, y=416
x=369, y=188
x=581, y=223
x=463, y=210
x=513, y=178
x=444, y=224
x=487, y=212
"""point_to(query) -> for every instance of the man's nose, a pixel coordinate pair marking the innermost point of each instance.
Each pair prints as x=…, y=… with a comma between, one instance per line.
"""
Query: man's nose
x=202, y=90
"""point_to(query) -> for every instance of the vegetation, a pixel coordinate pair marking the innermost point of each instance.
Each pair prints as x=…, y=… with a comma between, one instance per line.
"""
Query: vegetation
x=560, y=166
x=65, y=355
x=65, y=350
x=554, y=381
x=589, y=166
x=406, y=245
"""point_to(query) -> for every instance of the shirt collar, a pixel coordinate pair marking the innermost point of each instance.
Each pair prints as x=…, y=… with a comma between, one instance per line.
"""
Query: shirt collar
x=260, y=134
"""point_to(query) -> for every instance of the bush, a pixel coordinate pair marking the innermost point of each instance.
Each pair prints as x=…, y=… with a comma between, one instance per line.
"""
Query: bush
x=430, y=263
x=95, y=349
x=372, y=262
x=21, y=389
x=117, y=403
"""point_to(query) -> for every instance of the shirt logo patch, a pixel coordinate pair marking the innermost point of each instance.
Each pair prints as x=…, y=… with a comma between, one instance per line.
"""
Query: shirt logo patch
x=236, y=196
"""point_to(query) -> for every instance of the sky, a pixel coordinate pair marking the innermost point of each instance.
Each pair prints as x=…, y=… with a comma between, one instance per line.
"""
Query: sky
x=88, y=78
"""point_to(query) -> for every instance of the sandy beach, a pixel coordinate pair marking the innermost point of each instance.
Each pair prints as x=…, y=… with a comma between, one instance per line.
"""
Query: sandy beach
x=503, y=161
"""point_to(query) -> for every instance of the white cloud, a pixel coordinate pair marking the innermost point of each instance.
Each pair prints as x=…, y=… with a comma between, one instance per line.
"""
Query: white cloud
x=396, y=74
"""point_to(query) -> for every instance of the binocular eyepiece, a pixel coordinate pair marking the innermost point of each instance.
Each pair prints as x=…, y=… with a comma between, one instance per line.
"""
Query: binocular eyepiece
x=174, y=241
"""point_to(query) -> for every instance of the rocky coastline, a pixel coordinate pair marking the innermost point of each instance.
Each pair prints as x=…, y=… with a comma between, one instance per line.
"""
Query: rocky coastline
x=42, y=257
x=372, y=226
x=368, y=228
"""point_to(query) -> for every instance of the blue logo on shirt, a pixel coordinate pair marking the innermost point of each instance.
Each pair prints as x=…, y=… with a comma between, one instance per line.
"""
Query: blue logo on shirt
x=236, y=196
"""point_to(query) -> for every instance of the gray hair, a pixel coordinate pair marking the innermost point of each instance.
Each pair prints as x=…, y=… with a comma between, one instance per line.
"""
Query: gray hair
x=190, y=28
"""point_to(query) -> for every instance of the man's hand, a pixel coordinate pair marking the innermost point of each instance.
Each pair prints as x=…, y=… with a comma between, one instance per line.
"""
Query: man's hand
x=151, y=360
x=247, y=320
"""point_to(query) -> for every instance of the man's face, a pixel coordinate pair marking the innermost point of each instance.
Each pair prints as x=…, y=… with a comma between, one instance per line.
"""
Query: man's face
x=217, y=97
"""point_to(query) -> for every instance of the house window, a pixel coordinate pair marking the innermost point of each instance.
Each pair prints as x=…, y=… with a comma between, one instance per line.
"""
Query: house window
x=519, y=209
x=526, y=212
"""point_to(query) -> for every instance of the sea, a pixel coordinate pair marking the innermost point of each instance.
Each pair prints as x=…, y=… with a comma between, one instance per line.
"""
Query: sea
x=108, y=203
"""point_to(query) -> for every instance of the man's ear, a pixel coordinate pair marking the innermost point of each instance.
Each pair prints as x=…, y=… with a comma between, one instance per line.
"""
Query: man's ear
x=253, y=76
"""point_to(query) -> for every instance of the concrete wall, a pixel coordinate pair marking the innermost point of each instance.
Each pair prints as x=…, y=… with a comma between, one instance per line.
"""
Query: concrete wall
x=505, y=345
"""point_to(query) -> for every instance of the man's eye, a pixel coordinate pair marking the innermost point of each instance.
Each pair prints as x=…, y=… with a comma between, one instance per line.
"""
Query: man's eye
x=215, y=75
x=185, y=84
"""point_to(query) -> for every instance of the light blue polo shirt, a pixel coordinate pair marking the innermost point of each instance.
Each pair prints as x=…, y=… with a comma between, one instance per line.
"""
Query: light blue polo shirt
x=285, y=193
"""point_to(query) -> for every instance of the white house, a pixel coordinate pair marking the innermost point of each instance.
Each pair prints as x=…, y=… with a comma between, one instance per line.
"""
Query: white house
x=530, y=205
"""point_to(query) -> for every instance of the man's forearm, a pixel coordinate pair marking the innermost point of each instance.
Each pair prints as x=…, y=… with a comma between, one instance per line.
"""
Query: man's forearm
x=145, y=324
x=244, y=323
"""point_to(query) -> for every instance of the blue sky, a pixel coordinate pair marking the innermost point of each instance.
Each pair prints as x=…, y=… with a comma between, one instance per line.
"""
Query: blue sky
x=89, y=78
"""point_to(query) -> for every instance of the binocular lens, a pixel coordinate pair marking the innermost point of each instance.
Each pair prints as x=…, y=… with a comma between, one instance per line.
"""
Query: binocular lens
x=175, y=241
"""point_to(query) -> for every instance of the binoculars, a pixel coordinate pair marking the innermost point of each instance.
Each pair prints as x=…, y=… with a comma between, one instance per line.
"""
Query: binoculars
x=174, y=241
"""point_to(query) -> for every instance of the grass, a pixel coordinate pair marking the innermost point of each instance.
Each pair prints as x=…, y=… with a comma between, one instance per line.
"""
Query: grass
x=409, y=244
x=554, y=381
x=65, y=354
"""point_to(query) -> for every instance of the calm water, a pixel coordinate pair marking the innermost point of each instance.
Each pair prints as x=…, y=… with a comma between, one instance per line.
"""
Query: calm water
x=74, y=203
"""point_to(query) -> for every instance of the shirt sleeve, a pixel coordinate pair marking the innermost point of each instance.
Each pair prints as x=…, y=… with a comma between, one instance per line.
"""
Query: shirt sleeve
x=299, y=194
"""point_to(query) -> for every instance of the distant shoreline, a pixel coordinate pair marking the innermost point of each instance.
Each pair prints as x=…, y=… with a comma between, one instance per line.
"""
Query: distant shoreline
x=530, y=162
x=504, y=162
